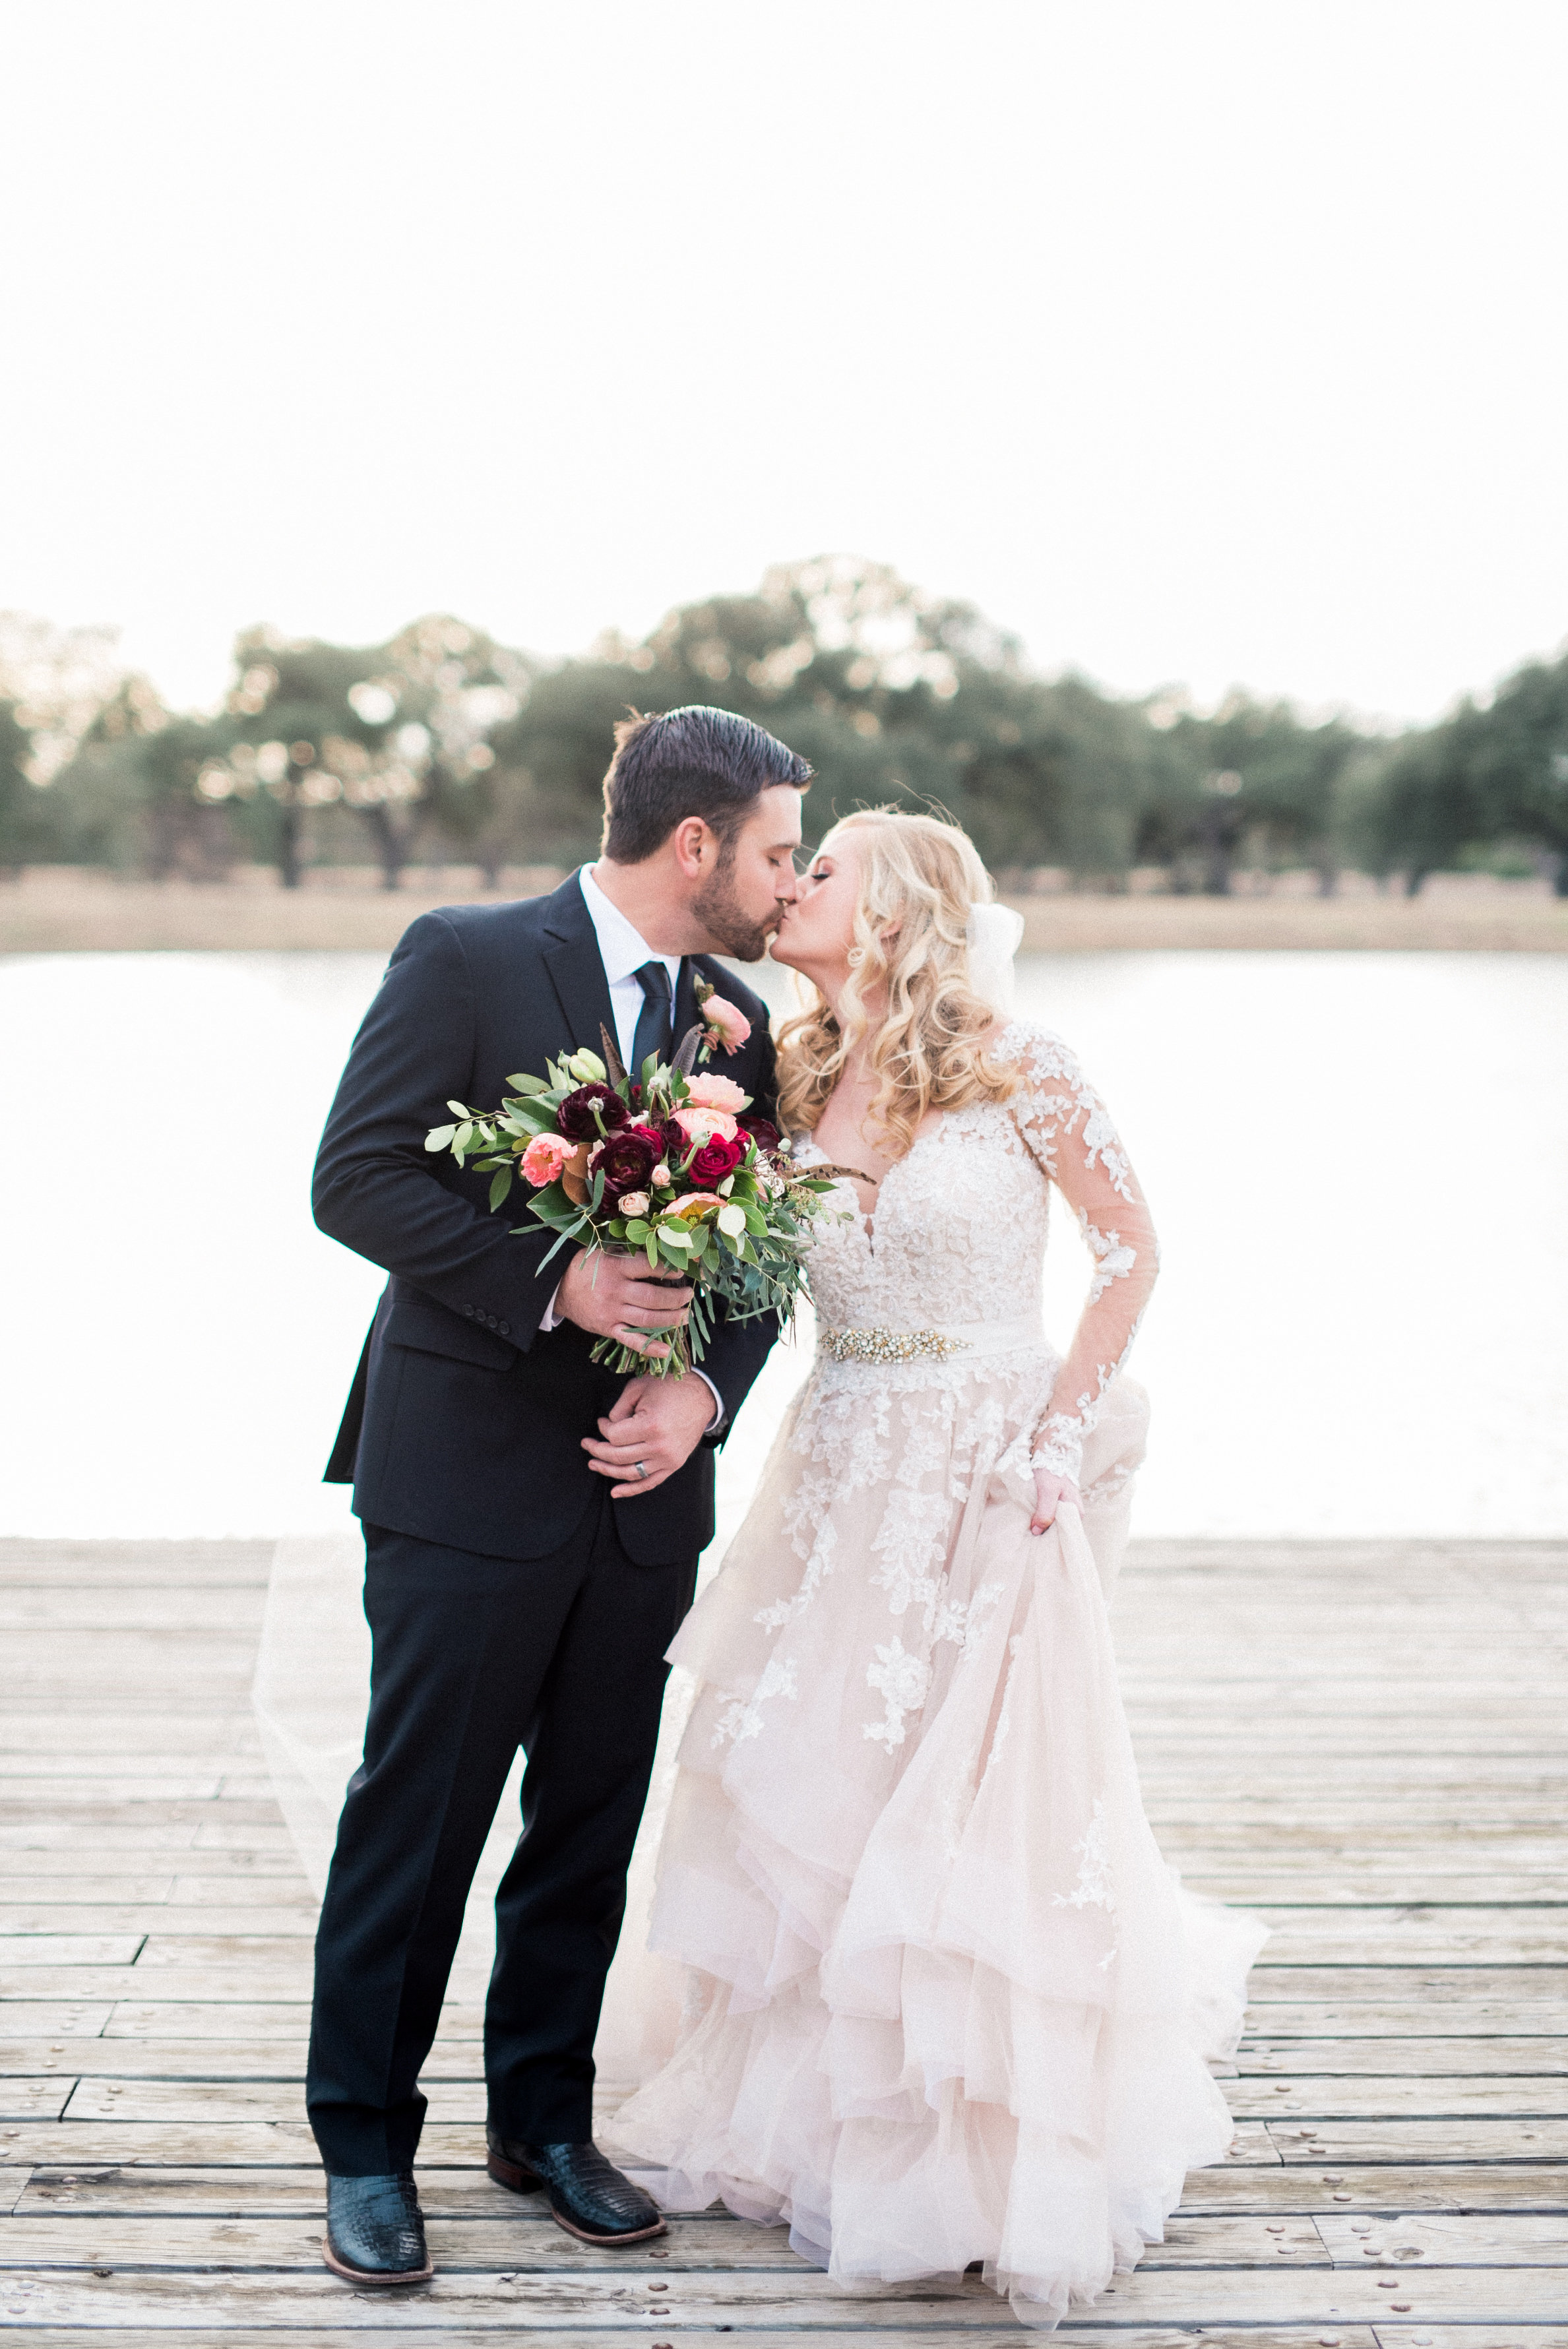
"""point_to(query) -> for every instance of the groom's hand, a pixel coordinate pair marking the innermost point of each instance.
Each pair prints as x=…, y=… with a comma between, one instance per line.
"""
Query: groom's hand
x=618, y=1297
x=660, y=1422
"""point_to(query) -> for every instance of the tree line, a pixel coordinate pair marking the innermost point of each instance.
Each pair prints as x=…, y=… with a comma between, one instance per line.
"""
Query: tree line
x=443, y=743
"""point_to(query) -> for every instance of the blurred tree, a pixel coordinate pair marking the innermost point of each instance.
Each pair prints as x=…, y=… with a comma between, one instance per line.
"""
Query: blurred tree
x=121, y=799
x=19, y=825
x=1428, y=812
x=54, y=682
x=398, y=733
x=893, y=695
x=1254, y=773
x=1514, y=756
x=1494, y=775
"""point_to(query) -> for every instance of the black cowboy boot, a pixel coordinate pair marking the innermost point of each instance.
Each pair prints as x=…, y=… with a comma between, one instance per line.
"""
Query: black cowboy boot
x=588, y=2195
x=376, y=2231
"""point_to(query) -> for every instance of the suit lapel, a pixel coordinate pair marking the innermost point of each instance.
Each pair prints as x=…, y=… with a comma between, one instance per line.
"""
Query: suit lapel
x=576, y=972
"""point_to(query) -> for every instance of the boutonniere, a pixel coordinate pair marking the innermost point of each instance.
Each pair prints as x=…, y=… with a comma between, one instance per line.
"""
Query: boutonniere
x=724, y=1027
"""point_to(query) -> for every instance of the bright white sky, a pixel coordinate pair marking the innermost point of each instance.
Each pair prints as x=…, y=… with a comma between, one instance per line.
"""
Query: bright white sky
x=1217, y=342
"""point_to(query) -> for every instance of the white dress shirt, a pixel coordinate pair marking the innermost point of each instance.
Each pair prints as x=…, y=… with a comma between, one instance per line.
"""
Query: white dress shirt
x=623, y=950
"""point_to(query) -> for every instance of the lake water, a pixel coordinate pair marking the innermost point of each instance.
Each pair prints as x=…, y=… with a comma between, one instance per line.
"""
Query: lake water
x=1358, y=1164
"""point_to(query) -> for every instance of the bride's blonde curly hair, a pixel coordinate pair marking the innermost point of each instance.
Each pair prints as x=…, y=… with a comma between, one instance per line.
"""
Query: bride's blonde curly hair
x=918, y=878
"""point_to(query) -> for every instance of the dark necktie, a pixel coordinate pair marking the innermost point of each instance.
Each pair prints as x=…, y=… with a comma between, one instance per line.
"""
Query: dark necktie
x=655, y=1031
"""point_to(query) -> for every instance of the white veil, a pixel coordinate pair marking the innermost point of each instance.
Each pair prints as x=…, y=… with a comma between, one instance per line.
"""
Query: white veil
x=993, y=932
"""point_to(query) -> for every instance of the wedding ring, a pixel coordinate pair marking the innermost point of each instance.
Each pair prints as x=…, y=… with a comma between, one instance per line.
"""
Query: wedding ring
x=639, y=1468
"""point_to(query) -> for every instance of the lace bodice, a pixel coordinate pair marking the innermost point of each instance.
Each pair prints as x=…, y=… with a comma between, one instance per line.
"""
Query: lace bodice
x=959, y=1233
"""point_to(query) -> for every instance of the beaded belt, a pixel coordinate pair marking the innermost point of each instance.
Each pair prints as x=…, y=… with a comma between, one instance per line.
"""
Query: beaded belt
x=930, y=1345
x=889, y=1345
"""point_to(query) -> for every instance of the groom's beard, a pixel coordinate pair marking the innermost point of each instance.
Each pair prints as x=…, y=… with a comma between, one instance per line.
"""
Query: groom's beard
x=733, y=931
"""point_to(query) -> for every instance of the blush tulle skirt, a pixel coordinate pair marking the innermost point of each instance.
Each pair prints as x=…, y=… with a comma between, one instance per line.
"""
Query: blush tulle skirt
x=902, y=1966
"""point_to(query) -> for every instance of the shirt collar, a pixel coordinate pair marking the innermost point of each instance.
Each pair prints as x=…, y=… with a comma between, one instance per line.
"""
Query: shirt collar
x=622, y=949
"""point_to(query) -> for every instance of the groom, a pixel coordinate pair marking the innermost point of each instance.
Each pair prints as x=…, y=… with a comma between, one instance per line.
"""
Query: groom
x=531, y=1520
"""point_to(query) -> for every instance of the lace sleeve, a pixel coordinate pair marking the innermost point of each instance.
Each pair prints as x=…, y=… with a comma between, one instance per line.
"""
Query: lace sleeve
x=1068, y=1129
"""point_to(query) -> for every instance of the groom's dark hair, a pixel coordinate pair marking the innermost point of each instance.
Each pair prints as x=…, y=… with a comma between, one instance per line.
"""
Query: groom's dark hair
x=691, y=761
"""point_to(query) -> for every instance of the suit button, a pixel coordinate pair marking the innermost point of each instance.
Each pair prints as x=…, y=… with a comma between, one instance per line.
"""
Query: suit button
x=505, y=1328
x=468, y=1313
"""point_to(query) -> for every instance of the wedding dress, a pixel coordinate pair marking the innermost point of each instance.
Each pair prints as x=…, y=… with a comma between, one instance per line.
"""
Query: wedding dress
x=915, y=1978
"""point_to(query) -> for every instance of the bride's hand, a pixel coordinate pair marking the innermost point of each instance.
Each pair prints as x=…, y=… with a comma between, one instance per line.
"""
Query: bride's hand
x=1051, y=1492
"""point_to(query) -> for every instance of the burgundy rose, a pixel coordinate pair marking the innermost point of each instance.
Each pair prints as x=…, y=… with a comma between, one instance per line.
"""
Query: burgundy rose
x=625, y=1160
x=713, y=1161
x=763, y=1132
x=575, y=1115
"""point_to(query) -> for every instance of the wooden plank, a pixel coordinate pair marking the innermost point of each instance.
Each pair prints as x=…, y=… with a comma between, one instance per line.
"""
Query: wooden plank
x=80, y=2141
x=1394, y=2097
x=32, y=1828
x=64, y=2234
x=46, y=2019
x=481, y=2330
x=261, y=1985
x=239, y=1946
x=41, y=2097
x=274, y=2058
x=1522, y=1986
x=1384, y=2055
x=57, y=1873
x=78, y=2145
x=1319, y=1888
x=1380, y=2187
x=129, y=1787
x=189, y=1613
x=47, y=1731
x=107, y=1565
x=1419, y=2139
x=295, y=1919
x=1494, y=2240
x=24, y=1950
x=62, y=1883
x=230, y=1834
x=1279, y=2021
x=1230, y=2190
x=191, y=2020
x=618, y=2298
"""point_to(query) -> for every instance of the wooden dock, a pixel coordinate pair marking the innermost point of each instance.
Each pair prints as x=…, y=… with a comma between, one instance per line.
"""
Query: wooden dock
x=1365, y=1742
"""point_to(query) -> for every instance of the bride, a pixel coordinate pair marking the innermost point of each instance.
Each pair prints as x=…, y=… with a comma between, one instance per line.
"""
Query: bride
x=941, y=2001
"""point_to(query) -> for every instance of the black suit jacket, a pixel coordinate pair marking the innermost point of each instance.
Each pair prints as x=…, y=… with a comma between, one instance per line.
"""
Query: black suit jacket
x=464, y=1424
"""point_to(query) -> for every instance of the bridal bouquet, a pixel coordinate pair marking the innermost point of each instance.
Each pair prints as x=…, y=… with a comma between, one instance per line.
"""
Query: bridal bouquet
x=669, y=1167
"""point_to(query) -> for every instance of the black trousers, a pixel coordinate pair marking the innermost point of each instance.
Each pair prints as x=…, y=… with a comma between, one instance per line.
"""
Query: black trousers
x=471, y=1658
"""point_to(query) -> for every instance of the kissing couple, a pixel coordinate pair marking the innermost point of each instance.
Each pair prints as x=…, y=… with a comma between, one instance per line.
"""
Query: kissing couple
x=916, y=1980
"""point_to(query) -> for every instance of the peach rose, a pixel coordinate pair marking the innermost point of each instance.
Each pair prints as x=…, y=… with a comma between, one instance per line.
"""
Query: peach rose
x=717, y=1093
x=544, y=1159
x=727, y=1020
x=692, y=1204
x=701, y=1124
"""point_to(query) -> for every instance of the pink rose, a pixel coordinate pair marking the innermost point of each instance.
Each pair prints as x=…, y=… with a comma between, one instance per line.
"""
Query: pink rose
x=727, y=1020
x=544, y=1159
x=701, y=1124
x=717, y=1093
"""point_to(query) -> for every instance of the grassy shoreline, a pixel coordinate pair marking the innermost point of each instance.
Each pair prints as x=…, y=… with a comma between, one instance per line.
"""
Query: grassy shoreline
x=58, y=910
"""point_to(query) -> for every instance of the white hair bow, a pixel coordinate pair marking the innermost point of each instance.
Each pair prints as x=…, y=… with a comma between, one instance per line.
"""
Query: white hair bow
x=992, y=933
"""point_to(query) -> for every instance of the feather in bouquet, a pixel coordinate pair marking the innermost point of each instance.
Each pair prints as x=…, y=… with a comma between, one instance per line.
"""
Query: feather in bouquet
x=669, y=1167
